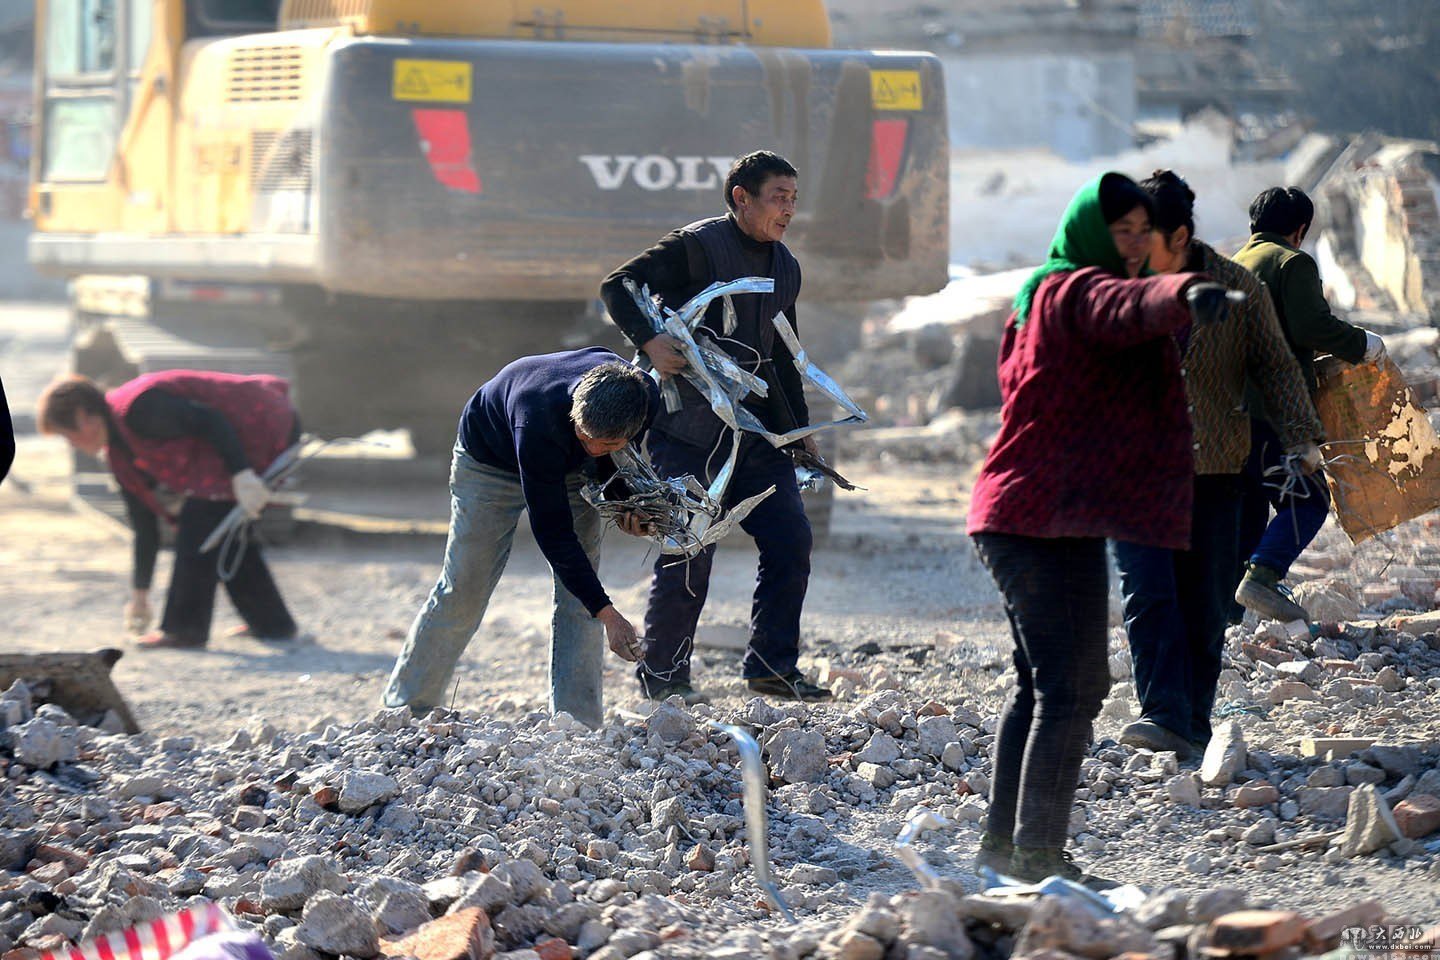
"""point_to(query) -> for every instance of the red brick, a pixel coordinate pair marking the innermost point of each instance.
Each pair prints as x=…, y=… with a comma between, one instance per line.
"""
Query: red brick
x=159, y=811
x=700, y=859
x=1323, y=934
x=465, y=935
x=74, y=860
x=1249, y=932
x=1418, y=815
x=554, y=950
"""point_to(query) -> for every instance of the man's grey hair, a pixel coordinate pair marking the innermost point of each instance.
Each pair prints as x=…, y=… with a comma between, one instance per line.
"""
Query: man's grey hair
x=611, y=401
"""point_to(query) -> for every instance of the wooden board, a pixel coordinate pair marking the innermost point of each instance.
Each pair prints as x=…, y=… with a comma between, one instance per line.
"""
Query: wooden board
x=1383, y=457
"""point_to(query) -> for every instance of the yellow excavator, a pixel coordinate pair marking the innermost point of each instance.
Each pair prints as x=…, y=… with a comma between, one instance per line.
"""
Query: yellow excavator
x=385, y=200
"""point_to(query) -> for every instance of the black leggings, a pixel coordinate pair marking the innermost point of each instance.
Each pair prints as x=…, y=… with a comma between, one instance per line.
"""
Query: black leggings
x=1057, y=600
x=190, y=603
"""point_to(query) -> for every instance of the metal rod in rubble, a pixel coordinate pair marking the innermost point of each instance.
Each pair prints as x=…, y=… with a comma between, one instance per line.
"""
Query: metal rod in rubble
x=756, y=778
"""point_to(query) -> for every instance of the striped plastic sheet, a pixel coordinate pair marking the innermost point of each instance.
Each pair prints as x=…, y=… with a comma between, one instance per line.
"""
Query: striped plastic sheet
x=156, y=940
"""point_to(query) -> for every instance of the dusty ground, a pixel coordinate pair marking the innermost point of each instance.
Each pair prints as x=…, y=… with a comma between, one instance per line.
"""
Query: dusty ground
x=901, y=574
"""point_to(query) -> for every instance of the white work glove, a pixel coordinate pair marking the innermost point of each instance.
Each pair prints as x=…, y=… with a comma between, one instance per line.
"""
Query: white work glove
x=1374, y=348
x=250, y=492
x=1308, y=455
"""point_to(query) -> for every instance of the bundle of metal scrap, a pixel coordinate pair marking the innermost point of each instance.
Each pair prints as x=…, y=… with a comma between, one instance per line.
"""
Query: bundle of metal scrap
x=684, y=515
x=679, y=514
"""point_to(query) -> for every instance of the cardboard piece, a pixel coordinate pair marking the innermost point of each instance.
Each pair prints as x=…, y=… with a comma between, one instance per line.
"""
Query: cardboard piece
x=1388, y=469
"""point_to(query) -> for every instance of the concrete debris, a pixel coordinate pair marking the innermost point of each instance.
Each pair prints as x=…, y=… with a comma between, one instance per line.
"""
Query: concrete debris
x=1225, y=755
x=1061, y=923
x=531, y=836
x=338, y=925
x=1369, y=824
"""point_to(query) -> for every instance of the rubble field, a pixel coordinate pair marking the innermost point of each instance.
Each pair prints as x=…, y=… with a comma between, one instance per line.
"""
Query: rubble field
x=336, y=829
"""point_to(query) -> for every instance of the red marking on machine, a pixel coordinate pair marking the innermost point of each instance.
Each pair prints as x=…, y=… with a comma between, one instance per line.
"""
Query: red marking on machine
x=887, y=152
x=445, y=141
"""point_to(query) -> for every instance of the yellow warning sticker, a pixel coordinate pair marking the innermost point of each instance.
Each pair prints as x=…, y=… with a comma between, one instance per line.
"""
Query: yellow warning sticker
x=895, y=90
x=445, y=81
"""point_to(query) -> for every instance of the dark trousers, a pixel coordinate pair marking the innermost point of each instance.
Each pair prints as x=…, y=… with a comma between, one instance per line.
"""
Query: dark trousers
x=190, y=603
x=1276, y=542
x=1177, y=603
x=782, y=536
x=1057, y=600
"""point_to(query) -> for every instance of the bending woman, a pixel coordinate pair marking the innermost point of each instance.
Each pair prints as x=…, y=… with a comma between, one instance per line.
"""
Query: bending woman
x=1094, y=442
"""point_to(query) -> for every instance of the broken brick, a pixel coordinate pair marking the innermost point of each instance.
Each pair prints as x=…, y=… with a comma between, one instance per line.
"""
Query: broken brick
x=554, y=949
x=1418, y=815
x=464, y=935
x=156, y=812
x=49, y=873
x=700, y=859
x=1291, y=690
x=74, y=860
x=1256, y=794
x=1251, y=932
x=1323, y=933
x=1268, y=654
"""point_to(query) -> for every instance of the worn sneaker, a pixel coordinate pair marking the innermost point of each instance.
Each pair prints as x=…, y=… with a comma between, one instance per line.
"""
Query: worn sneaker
x=1152, y=736
x=1033, y=864
x=679, y=688
x=995, y=853
x=792, y=686
x=1261, y=591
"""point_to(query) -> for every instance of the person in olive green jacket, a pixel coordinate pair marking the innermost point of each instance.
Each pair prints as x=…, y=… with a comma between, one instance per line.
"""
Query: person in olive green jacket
x=1280, y=218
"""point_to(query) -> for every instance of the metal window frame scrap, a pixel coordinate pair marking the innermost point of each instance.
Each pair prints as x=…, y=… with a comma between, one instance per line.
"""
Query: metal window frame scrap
x=684, y=516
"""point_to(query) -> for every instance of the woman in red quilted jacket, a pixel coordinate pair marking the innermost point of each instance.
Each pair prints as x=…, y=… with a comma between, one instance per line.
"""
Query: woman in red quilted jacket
x=1094, y=443
x=206, y=437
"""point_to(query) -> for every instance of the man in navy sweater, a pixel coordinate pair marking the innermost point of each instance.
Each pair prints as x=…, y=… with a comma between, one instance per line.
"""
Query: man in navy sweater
x=527, y=438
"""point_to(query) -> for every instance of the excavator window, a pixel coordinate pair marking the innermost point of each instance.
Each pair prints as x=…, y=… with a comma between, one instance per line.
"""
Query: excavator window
x=221, y=18
x=81, y=117
x=80, y=38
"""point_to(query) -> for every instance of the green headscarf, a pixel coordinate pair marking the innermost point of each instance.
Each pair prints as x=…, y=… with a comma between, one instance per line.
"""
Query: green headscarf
x=1082, y=240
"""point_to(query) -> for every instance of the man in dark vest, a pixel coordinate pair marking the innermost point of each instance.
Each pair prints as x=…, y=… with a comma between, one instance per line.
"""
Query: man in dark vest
x=761, y=192
x=206, y=437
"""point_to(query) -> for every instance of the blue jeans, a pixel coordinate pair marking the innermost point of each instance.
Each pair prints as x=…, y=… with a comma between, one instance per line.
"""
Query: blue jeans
x=485, y=506
x=1057, y=598
x=782, y=536
x=1298, y=517
x=1176, y=606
